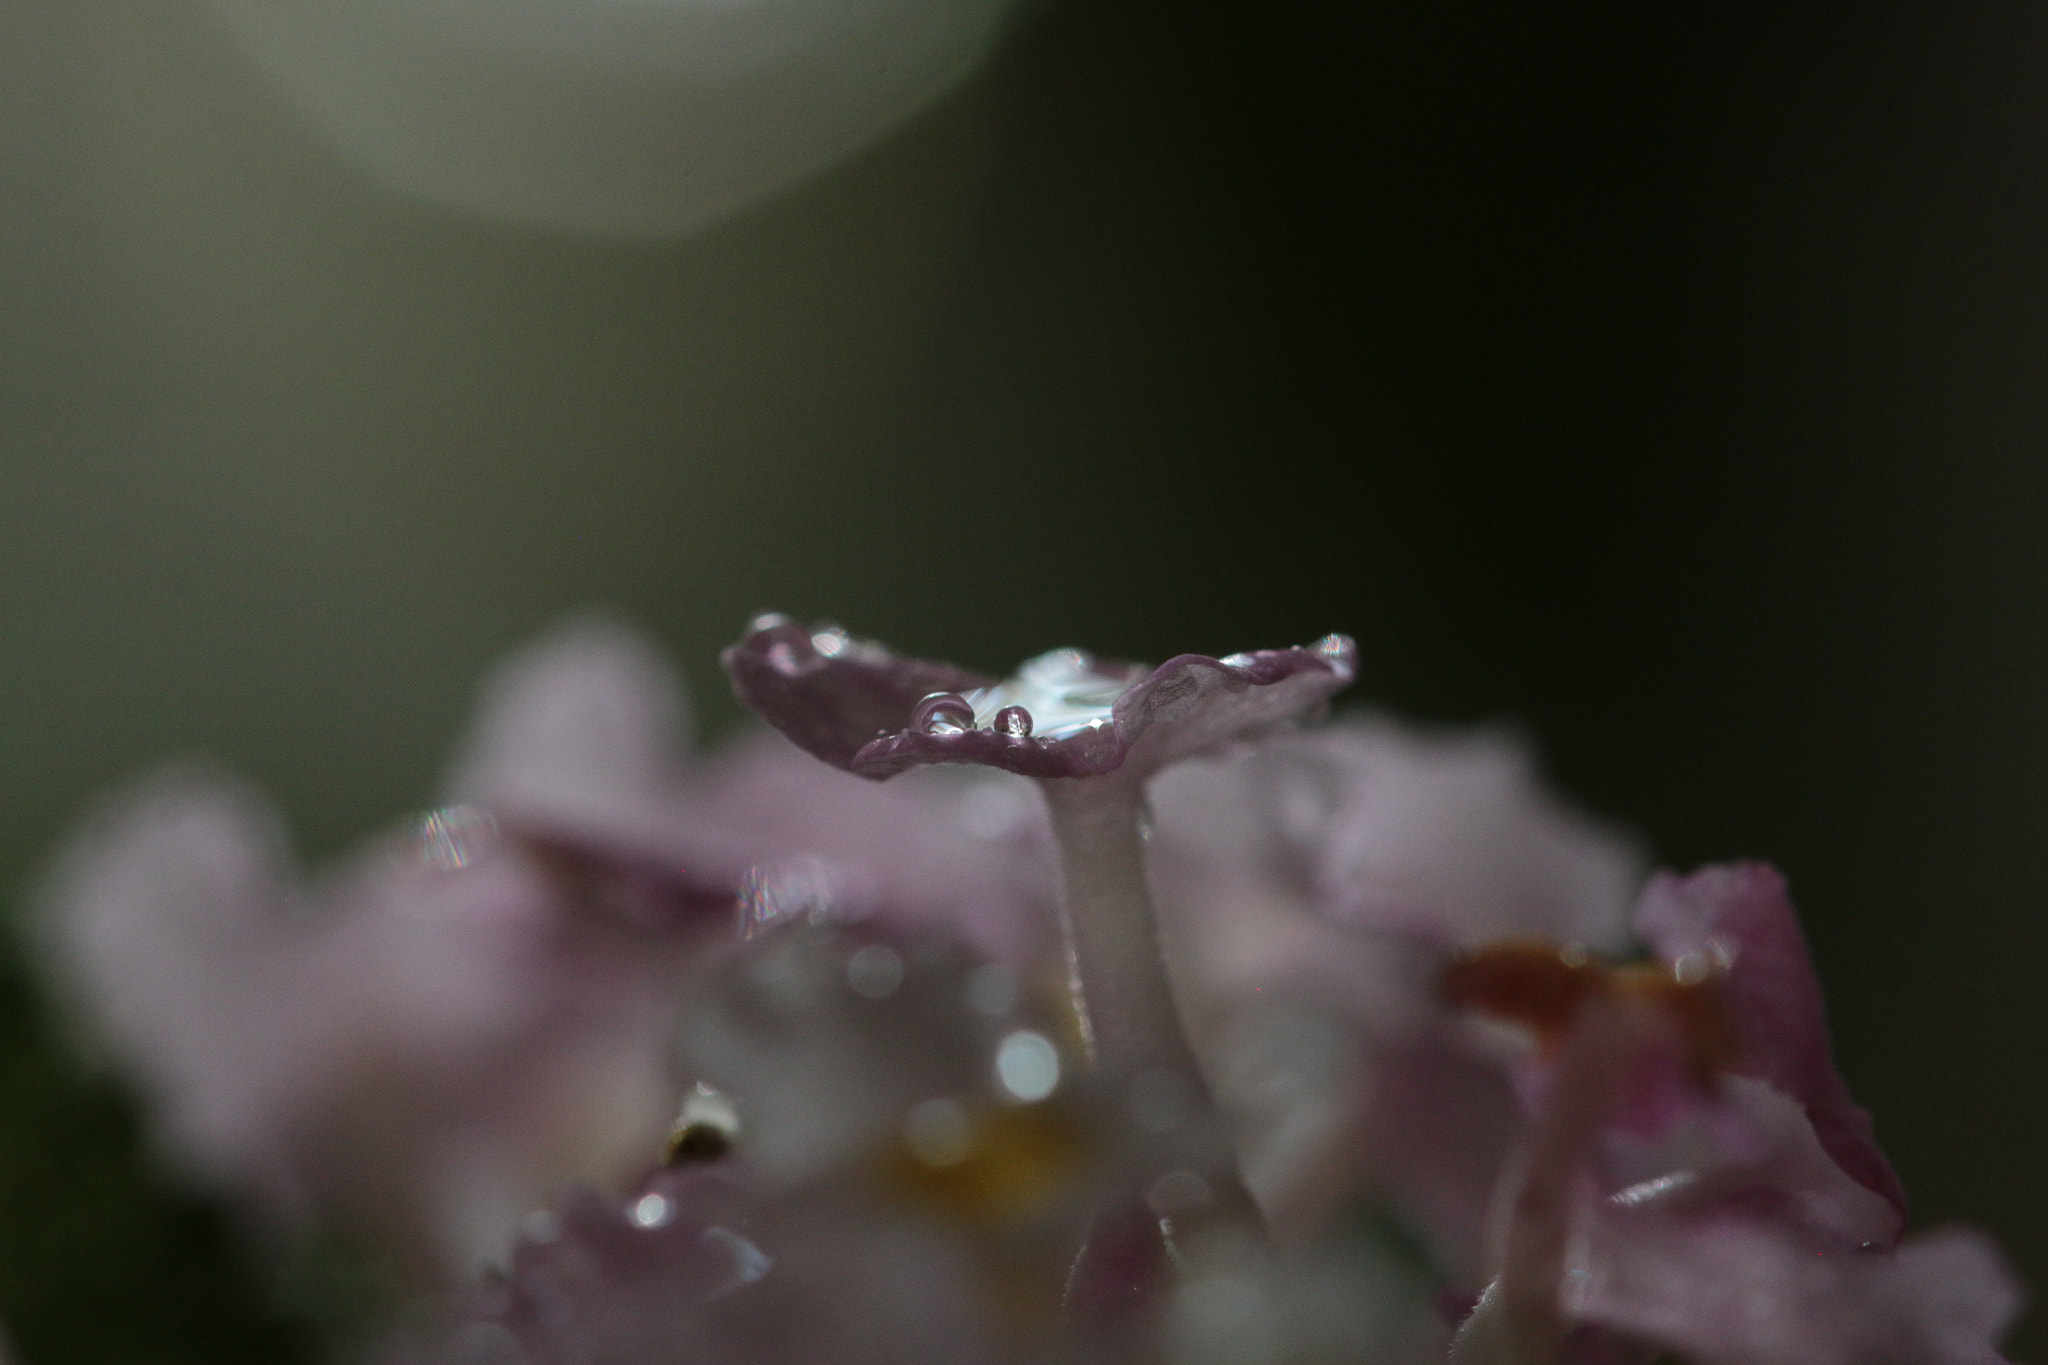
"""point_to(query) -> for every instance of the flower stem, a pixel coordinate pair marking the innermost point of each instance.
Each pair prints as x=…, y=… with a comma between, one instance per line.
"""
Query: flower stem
x=1114, y=959
x=1519, y=1320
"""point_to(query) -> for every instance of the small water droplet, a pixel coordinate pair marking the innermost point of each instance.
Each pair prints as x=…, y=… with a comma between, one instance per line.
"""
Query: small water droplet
x=942, y=713
x=875, y=971
x=1028, y=1065
x=1014, y=721
x=767, y=620
x=1690, y=969
x=452, y=838
x=937, y=1133
x=749, y=1262
x=705, y=1129
x=1236, y=660
x=831, y=642
x=776, y=892
x=652, y=1211
x=1340, y=652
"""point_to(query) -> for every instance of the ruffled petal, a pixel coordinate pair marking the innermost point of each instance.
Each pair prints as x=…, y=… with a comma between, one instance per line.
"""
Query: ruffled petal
x=861, y=707
x=1742, y=914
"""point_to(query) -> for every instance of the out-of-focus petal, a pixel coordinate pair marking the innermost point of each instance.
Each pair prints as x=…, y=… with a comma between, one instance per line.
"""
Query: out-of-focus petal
x=1742, y=915
x=1309, y=887
x=963, y=851
x=1734, y=1290
x=169, y=918
x=584, y=728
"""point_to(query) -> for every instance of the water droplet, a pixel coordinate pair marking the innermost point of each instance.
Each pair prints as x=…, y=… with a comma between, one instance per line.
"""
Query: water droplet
x=992, y=990
x=942, y=713
x=782, y=891
x=767, y=620
x=1340, y=652
x=705, y=1129
x=875, y=971
x=831, y=642
x=1690, y=969
x=1028, y=1065
x=452, y=838
x=1650, y=1191
x=1014, y=721
x=937, y=1133
x=749, y=1262
x=652, y=1211
x=1236, y=660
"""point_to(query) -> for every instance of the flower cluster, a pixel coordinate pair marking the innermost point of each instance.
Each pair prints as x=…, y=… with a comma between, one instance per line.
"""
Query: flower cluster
x=1099, y=1013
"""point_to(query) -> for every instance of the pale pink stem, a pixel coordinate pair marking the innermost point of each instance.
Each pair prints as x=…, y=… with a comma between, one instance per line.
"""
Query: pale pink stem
x=1519, y=1320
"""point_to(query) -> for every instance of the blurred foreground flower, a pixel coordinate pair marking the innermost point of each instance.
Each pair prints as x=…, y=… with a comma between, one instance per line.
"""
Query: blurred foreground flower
x=632, y=117
x=1360, y=1048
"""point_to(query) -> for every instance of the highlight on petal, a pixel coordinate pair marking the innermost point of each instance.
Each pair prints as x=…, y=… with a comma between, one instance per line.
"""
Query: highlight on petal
x=615, y=117
x=861, y=707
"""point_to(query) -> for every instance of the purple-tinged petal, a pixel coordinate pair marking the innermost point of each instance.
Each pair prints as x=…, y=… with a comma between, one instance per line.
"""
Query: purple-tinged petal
x=1741, y=914
x=586, y=726
x=1732, y=1289
x=832, y=694
x=167, y=917
x=954, y=849
x=860, y=707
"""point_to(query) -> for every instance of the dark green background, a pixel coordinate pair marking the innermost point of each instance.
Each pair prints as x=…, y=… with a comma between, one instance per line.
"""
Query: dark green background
x=1673, y=383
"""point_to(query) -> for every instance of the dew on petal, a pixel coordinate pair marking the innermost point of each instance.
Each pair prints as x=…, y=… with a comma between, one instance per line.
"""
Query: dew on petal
x=771, y=894
x=450, y=839
x=830, y=641
x=1028, y=1065
x=652, y=1211
x=749, y=1263
x=1340, y=652
x=705, y=1129
x=1014, y=721
x=942, y=713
